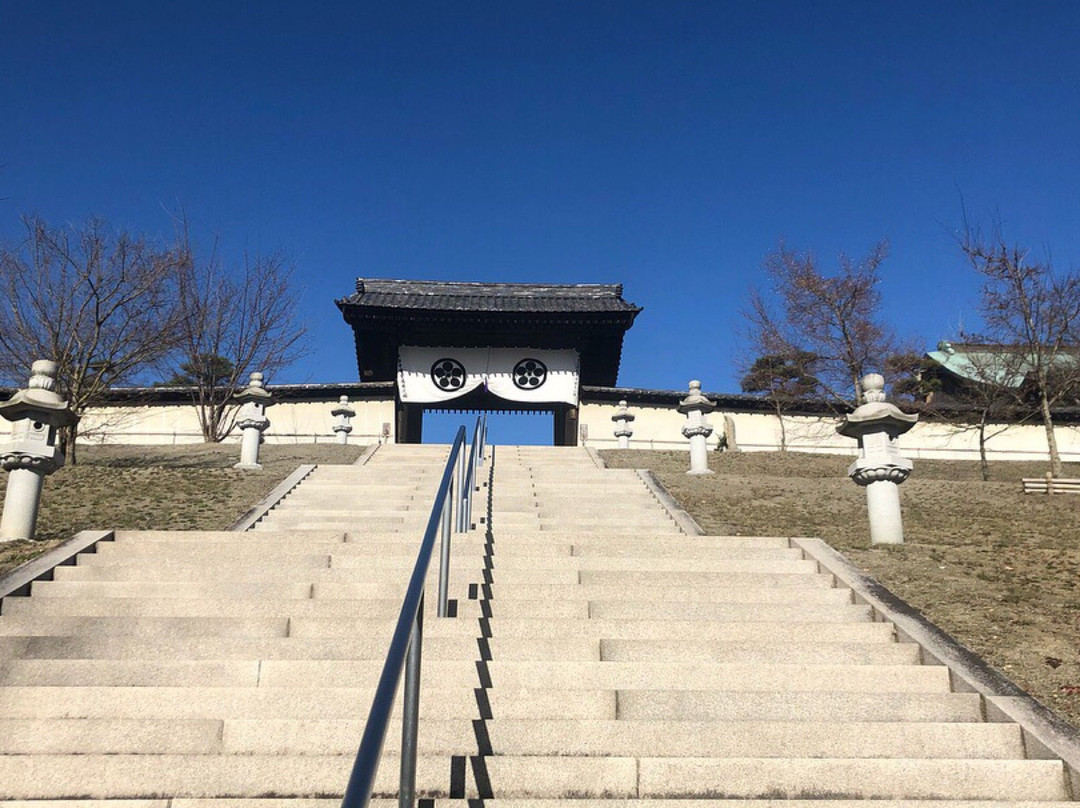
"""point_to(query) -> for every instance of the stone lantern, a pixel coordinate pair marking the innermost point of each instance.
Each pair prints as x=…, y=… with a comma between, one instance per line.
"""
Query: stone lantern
x=695, y=406
x=343, y=412
x=252, y=421
x=37, y=414
x=879, y=468
x=622, y=420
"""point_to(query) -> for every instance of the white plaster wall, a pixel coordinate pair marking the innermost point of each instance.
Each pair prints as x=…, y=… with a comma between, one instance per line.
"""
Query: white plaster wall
x=290, y=422
x=660, y=428
x=654, y=428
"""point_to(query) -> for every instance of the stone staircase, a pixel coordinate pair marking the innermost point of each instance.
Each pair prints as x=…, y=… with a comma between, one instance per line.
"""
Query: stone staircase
x=597, y=654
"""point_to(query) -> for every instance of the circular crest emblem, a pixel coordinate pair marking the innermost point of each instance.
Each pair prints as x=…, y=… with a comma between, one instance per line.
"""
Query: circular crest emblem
x=448, y=374
x=529, y=374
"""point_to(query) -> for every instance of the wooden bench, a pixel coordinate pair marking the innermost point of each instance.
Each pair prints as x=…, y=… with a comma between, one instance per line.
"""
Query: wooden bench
x=1051, y=485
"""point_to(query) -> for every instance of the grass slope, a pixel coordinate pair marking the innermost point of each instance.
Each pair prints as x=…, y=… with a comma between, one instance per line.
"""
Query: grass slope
x=998, y=570
x=190, y=487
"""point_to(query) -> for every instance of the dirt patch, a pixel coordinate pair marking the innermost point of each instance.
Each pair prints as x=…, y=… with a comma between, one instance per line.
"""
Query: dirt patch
x=997, y=569
x=157, y=487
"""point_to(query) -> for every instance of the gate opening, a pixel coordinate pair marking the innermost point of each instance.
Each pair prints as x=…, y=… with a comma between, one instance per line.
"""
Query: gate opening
x=504, y=428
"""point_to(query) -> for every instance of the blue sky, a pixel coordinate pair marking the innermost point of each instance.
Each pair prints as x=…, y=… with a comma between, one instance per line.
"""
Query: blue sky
x=664, y=145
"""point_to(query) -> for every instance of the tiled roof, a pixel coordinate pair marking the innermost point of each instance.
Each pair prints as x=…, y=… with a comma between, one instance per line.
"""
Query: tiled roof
x=498, y=297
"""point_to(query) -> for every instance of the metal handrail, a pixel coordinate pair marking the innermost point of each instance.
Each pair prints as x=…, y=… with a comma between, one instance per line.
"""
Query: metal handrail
x=406, y=643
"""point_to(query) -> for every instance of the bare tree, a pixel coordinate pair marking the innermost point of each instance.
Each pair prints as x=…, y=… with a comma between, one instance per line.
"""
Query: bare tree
x=1032, y=314
x=234, y=322
x=834, y=318
x=100, y=303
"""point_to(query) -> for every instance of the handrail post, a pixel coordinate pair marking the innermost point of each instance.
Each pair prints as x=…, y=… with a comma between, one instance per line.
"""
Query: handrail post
x=410, y=718
x=444, y=553
x=463, y=502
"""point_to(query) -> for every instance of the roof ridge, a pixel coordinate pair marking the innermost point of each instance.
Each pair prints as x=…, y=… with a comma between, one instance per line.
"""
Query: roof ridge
x=407, y=286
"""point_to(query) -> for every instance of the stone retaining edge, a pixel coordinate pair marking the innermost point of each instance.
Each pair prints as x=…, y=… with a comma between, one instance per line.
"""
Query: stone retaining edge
x=257, y=512
x=683, y=519
x=594, y=455
x=17, y=582
x=366, y=456
x=1046, y=735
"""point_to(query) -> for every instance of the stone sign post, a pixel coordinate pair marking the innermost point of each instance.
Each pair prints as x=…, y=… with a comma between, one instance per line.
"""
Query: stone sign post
x=343, y=412
x=252, y=421
x=697, y=429
x=879, y=468
x=37, y=413
x=622, y=420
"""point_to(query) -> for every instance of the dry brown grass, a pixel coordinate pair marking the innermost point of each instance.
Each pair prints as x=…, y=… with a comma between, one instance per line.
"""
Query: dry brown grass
x=153, y=487
x=997, y=569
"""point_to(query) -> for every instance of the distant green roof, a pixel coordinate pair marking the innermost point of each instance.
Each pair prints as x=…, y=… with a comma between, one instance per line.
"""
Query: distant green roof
x=988, y=363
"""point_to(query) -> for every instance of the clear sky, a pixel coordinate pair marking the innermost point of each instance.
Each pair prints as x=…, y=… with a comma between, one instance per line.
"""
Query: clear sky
x=664, y=145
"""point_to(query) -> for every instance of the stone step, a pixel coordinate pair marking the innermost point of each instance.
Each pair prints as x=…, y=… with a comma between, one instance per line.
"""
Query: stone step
x=571, y=675
x=467, y=549
x=131, y=776
x=718, y=705
x=312, y=648
x=416, y=497
x=217, y=626
x=809, y=653
x=381, y=523
x=689, y=631
x=460, y=647
x=638, y=593
x=740, y=612
x=368, y=583
x=308, y=703
x=302, y=802
x=801, y=577
x=120, y=776
x=80, y=701
x=719, y=676
x=282, y=583
x=331, y=600
x=140, y=538
x=578, y=738
x=469, y=543
x=506, y=538
x=265, y=607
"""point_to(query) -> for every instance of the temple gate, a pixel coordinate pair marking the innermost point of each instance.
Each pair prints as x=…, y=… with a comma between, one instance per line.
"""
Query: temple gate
x=487, y=346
